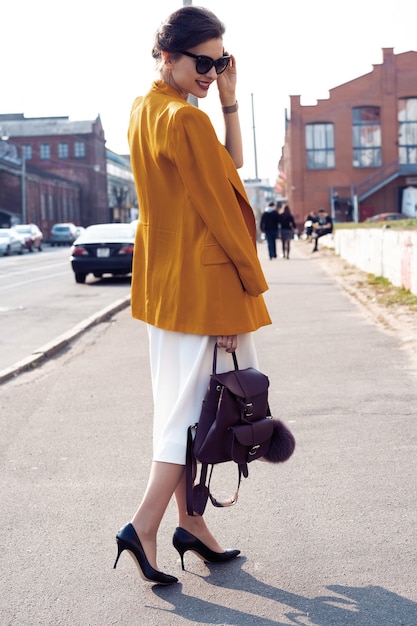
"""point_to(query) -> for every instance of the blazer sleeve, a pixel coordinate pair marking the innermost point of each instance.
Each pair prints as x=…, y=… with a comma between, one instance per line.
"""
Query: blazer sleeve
x=202, y=164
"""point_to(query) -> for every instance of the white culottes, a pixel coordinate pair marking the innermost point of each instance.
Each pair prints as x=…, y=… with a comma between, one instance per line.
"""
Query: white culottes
x=181, y=365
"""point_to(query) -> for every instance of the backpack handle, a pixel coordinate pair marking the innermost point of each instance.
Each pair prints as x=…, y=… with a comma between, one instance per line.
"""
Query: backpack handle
x=215, y=359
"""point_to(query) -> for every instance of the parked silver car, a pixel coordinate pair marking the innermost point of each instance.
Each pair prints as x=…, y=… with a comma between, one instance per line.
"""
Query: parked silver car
x=63, y=234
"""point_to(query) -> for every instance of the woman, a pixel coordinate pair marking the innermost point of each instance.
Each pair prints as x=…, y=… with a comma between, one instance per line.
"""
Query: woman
x=196, y=276
x=288, y=227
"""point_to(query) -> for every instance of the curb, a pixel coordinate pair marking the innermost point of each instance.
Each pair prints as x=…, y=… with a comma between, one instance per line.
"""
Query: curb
x=62, y=341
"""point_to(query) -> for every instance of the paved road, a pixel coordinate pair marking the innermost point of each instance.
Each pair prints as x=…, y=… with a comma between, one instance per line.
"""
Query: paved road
x=39, y=300
x=327, y=539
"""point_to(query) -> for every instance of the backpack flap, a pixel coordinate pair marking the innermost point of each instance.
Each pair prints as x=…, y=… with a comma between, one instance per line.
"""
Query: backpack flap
x=245, y=383
x=251, y=440
x=246, y=388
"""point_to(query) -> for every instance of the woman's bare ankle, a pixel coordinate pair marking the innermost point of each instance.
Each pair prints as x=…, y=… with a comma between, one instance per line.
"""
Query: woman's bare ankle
x=197, y=526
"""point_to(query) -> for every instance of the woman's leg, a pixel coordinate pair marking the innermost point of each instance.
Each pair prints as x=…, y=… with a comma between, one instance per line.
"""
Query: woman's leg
x=196, y=525
x=271, y=244
x=167, y=478
x=164, y=479
x=288, y=244
x=274, y=244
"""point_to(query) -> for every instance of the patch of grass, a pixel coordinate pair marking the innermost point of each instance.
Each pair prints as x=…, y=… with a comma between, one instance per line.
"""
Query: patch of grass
x=389, y=295
x=408, y=224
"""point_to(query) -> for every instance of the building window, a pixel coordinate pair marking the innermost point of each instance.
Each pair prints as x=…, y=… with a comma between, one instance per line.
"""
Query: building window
x=63, y=152
x=43, y=206
x=65, y=208
x=27, y=152
x=45, y=151
x=366, y=136
x=407, y=131
x=320, y=146
x=51, y=207
x=79, y=149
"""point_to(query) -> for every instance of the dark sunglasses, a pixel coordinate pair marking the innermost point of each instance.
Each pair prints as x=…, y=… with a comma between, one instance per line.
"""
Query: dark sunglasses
x=204, y=64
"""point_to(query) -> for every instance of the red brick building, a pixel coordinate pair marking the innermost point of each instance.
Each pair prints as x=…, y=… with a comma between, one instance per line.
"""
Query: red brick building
x=354, y=153
x=31, y=195
x=65, y=170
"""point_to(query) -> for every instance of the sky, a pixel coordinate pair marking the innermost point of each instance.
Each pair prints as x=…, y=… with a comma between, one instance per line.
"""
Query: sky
x=88, y=57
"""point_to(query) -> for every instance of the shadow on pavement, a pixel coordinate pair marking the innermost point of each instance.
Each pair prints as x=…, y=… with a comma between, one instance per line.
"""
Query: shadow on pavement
x=344, y=606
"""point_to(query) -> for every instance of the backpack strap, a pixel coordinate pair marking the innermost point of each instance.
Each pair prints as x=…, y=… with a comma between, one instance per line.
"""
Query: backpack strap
x=233, y=499
x=198, y=495
x=190, y=470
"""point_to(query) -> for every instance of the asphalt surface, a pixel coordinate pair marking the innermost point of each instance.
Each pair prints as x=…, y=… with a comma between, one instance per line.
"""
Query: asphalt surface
x=56, y=345
x=328, y=538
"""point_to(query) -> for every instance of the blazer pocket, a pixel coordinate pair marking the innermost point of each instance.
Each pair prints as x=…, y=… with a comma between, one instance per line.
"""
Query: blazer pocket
x=214, y=254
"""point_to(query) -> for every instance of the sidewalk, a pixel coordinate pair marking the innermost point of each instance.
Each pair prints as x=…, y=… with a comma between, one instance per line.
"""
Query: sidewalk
x=327, y=539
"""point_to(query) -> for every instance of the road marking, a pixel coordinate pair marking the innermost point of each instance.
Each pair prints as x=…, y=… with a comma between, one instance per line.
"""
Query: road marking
x=25, y=271
x=5, y=309
x=33, y=280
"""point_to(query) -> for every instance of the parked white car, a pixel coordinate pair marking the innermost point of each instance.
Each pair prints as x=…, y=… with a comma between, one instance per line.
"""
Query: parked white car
x=10, y=242
x=31, y=234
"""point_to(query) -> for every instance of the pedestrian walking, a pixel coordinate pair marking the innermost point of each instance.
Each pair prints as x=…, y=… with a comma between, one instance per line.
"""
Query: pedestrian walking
x=197, y=279
x=288, y=227
x=269, y=226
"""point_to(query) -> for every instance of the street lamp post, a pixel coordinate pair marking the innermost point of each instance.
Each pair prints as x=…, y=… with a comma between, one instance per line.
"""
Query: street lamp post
x=23, y=186
x=254, y=140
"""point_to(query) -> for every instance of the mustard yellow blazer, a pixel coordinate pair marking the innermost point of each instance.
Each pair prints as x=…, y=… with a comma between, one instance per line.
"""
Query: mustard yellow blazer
x=195, y=265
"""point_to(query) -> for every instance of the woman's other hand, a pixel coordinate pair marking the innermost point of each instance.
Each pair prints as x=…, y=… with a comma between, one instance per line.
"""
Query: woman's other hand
x=226, y=83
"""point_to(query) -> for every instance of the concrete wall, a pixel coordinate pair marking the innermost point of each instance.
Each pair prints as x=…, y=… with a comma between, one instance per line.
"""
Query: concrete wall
x=380, y=251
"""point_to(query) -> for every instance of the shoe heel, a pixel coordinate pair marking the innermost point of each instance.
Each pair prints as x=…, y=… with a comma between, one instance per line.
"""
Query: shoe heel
x=183, y=541
x=181, y=552
x=119, y=552
x=127, y=539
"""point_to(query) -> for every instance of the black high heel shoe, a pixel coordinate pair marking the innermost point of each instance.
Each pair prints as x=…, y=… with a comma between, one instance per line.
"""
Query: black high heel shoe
x=183, y=541
x=127, y=539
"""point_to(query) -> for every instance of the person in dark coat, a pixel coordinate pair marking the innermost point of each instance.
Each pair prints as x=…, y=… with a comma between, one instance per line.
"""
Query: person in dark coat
x=308, y=225
x=269, y=226
x=323, y=225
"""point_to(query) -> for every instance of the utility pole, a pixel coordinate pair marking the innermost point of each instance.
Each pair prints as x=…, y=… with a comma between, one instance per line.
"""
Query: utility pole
x=254, y=140
x=23, y=172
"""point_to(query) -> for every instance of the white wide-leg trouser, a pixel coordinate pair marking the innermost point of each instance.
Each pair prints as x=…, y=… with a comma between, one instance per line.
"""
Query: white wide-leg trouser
x=181, y=365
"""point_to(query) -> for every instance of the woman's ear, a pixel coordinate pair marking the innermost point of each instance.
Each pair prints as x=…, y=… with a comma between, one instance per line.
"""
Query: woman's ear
x=167, y=59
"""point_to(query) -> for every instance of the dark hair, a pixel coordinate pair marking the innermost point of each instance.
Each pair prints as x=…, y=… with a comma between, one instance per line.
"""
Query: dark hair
x=186, y=28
